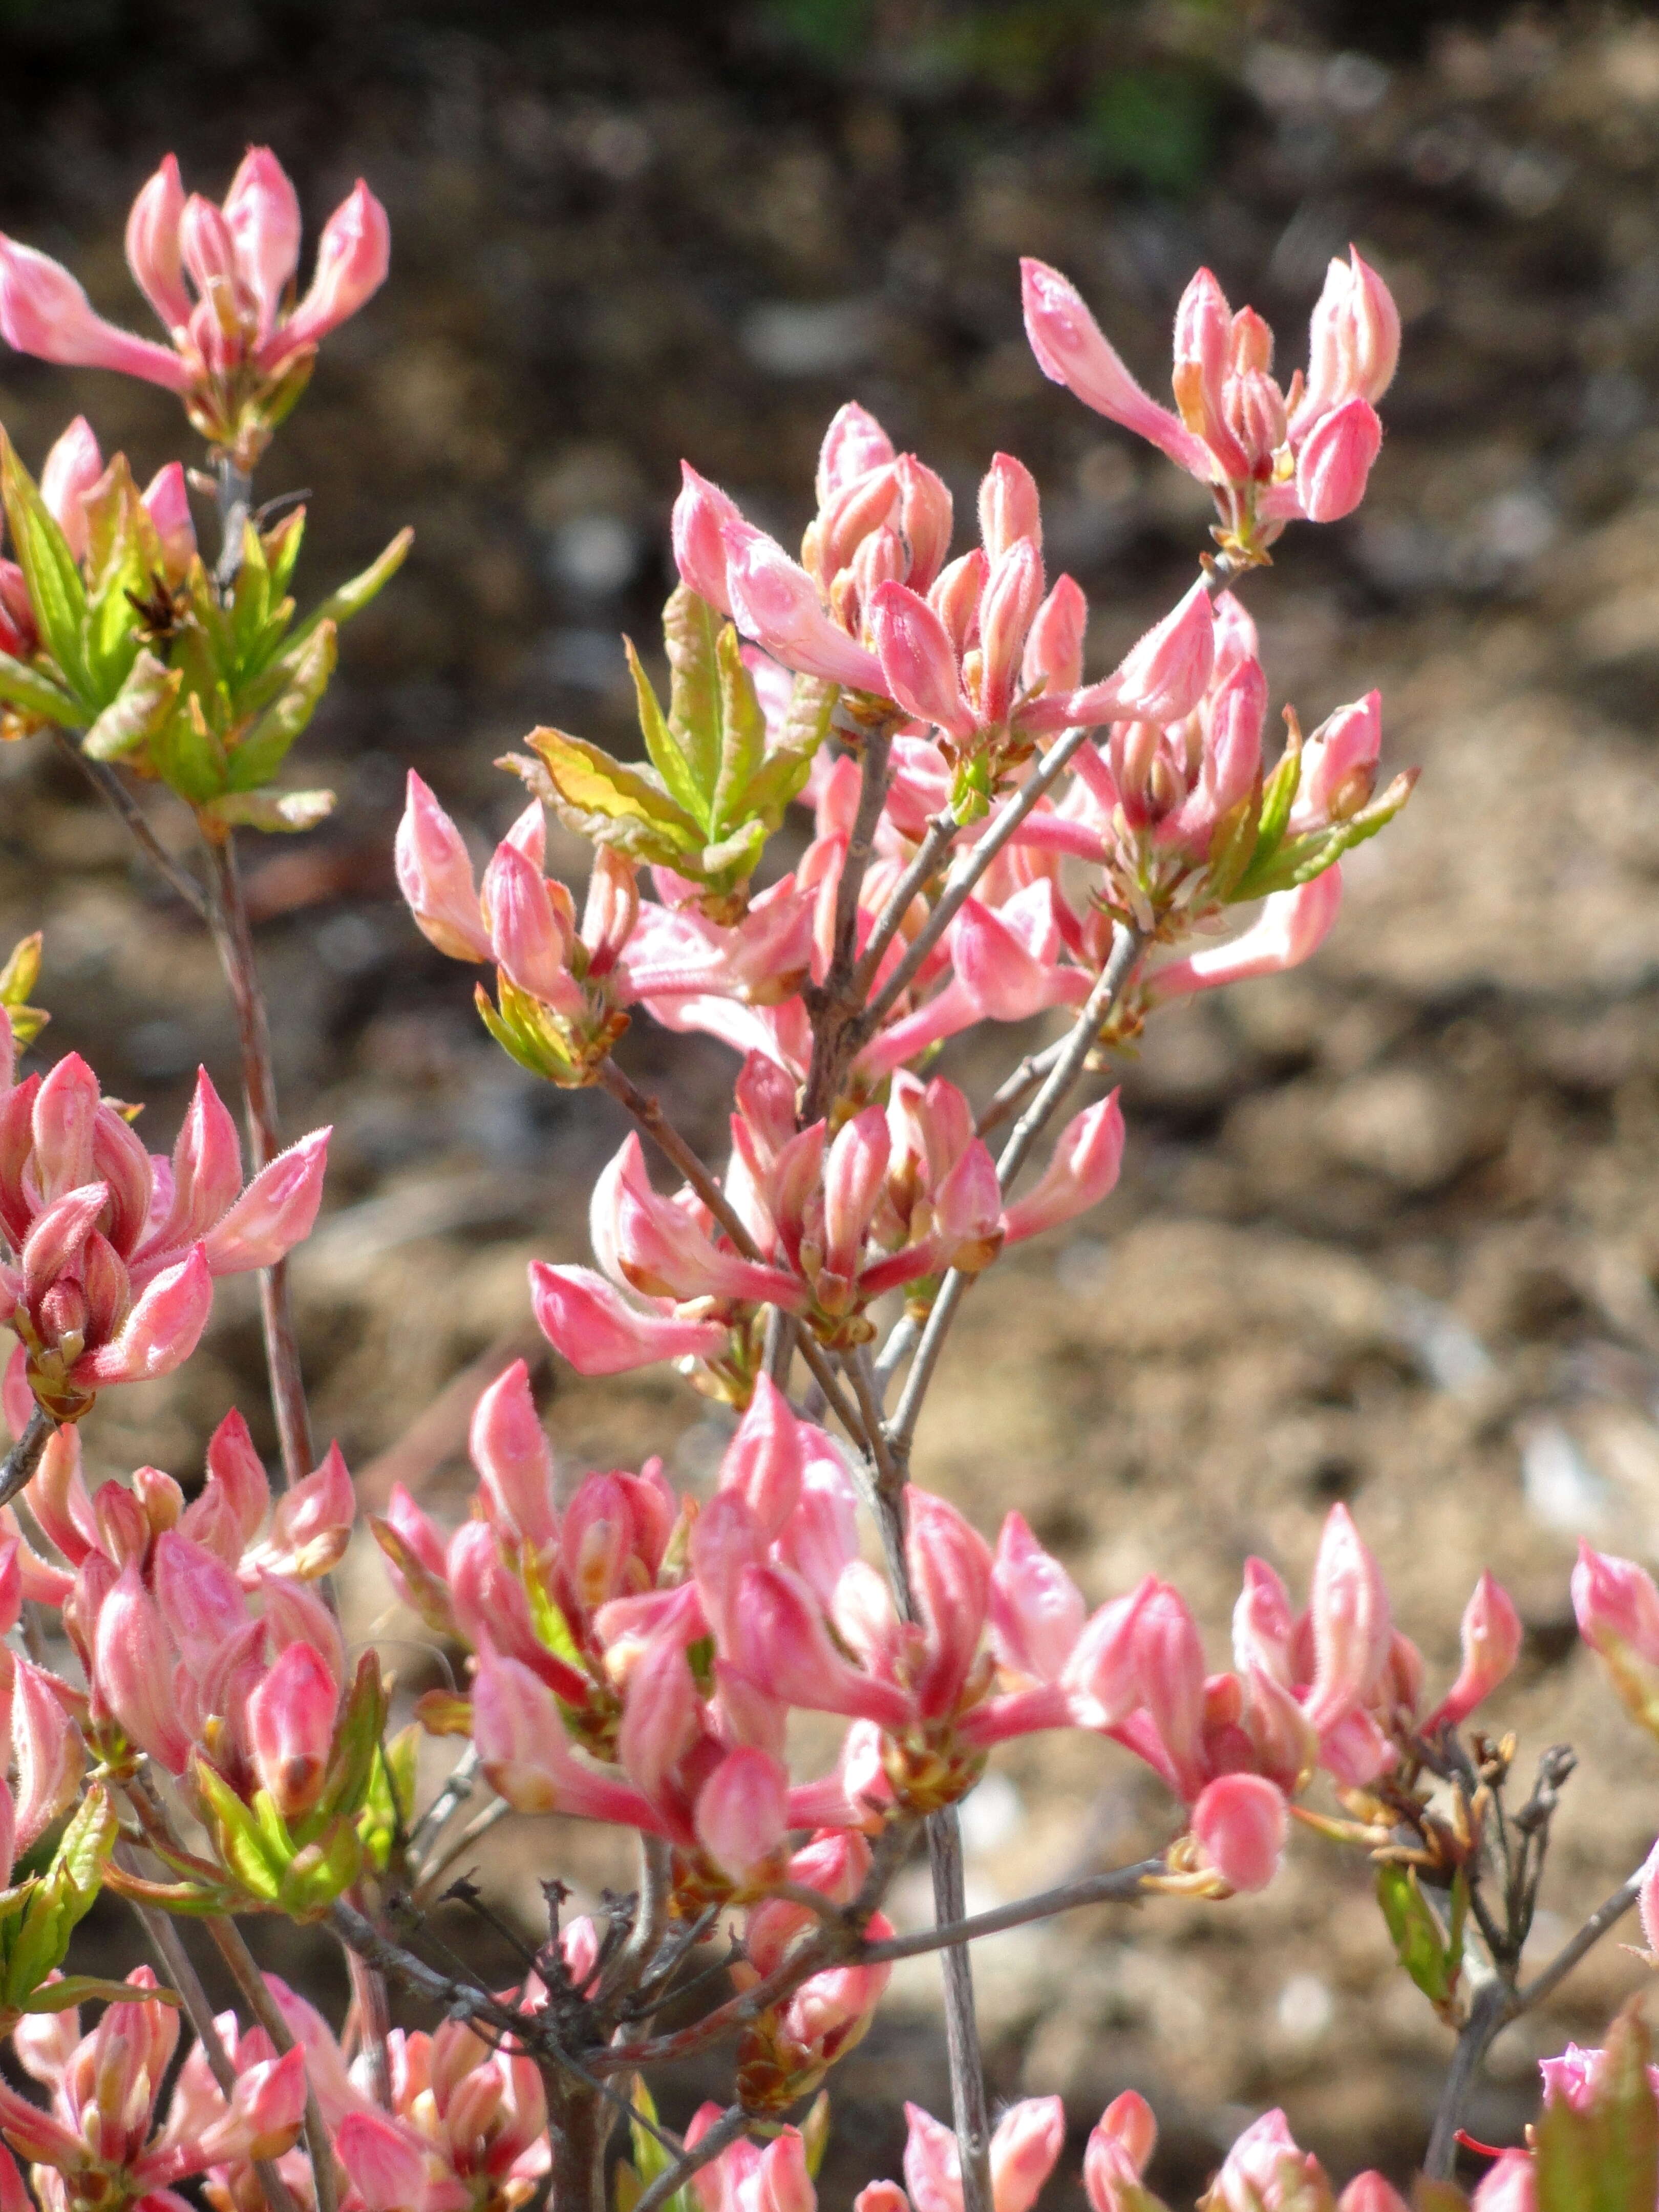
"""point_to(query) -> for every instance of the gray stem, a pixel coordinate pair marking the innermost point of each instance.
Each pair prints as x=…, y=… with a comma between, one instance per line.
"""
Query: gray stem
x=18, y=1467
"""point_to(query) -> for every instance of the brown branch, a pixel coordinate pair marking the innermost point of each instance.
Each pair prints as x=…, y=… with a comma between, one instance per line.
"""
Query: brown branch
x=233, y=937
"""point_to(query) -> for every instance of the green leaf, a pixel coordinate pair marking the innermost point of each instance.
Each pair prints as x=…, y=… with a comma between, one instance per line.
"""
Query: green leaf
x=526, y=1032
x=664, y=754
x=57, y=592
x=551, y=1626
x=22, y=970
x=1299, y=859
x=268, y=809
x=139, y=712
x=25, y=687
x=734, y=859
x=320, y=1871
x=258, y=756
x=789, y=757
x=612, y=803
x=89, y=1989
x=244, y=1849
x=1420, y=1941
x=690, y=635
x=356, y=1745
x=355, y=595
x=35, y=1939
x=743, y=732
x=282, y=545
x=650, y=2159
x=187, y=752
x=1278, y=798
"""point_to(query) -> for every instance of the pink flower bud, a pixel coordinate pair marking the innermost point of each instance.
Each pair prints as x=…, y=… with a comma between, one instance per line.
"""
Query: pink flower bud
x=59, y=1235
x=166, y=503
x=207, y=1168
x=1370, y=2192
x=776, y=603
x=1263, y=1624
x=262, y=213
x=1492, y=1638
x=918, y=661
x=435, y=878
x=353, y=255
x=967, y=1212
x=1511, y=2185
x=50, y=1758
x=1338, y=765
x=1120, y=2147
x=764, y=1463
x=62, y=1121
x=704, y=515
x=1024, y=2146
x=235, y=1468
x=1647, y=1901
x=210, y=257
x=1071, y=350
x=925, y=519
x=153, y=245
x=954, y=596
x=1170, y=1667
x=857, y=511
x=855, y=1171
x=742, y=1814
x=881, y=2196
x=950, y=1573
x=19, y=635
x=387, y=2161
x=1352, y=1625
x=526, y=1757
x=43, y=312
x=1375, y=325
x=1617, y=1605
x=853, y=444
x=600, y=1331
x=1082, y=1170
x=132, y=1671
x=509, y=1449
x=778, y=1641
x=1013, y=594
x=1102, y=1676
x=67, y=474
x=275, y=1212
x=1163, y=677
x=1009, y=506
x=524, y=935
x=1291, y=927
x=1203, y=343
x=1335, y=461
x=1054, y=645
x=1265, y=2172
x=933, y=2168
x=290, y=1717
x=159, y=1333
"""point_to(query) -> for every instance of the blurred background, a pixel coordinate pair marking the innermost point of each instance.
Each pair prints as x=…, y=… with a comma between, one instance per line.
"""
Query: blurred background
x=1388, y=1229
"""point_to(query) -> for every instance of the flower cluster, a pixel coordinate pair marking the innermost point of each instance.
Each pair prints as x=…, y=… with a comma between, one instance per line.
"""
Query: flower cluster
x=989, y=839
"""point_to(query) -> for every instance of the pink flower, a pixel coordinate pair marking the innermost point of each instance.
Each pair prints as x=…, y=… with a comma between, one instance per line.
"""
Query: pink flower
x=1123, y=2140
x=1492, y=1638
x=1290, y=929
x=1268, y=461
x=218, y=278
x=1240, y=1826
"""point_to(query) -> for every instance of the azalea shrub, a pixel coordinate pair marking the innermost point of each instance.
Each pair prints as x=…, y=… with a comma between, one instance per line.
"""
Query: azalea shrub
x=987, y=832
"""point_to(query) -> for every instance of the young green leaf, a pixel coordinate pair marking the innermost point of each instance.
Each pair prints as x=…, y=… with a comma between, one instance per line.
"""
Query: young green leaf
x=258, y=756
x=139, y=712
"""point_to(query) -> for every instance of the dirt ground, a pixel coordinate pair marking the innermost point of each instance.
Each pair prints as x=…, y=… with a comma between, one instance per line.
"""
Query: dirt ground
x=1388, y=1229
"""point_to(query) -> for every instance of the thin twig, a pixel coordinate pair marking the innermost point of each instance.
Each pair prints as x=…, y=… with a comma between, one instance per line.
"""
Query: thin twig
x=1120, y=1886
x=226, y=1938
x=233, y=937
x=967, y=873
x=474, y=1832
x=650, y=1921
x=18, y=1467
x=724, y=2131
x=462, y=1781
x=835, y=1007
x=922, y=868
x=1605, y=1916
x=1487, y=2014
x=1108, y=988
x=374, y=2022
x=1012, y=1094
x=107, y=783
